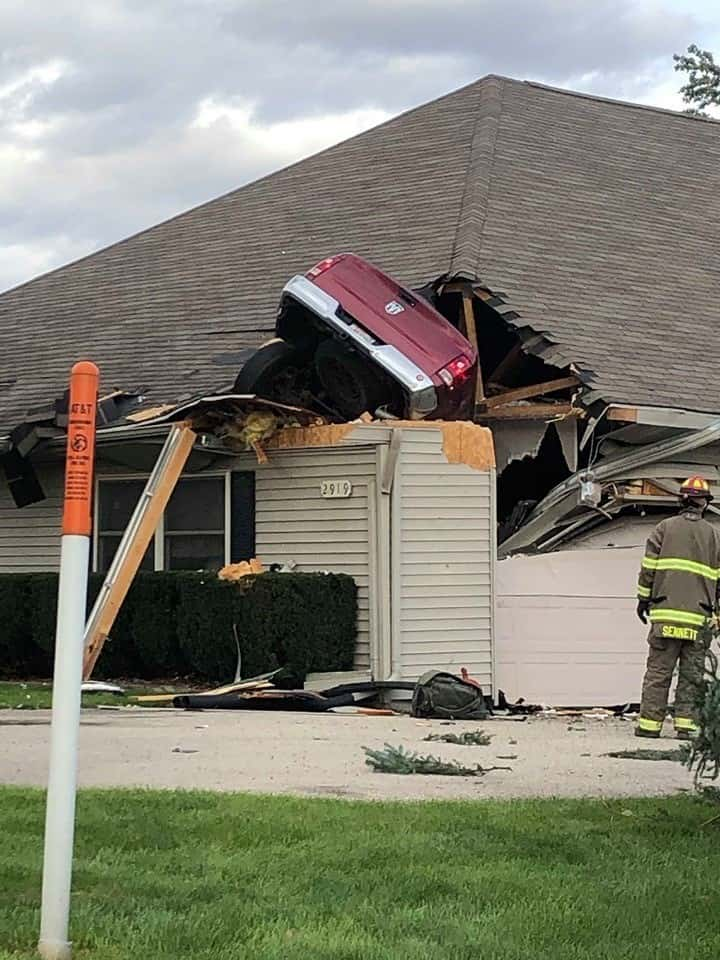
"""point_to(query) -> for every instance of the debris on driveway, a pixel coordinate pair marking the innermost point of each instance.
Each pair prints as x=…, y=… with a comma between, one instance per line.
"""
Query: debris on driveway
x=126, y=748
x=397, y=760
x=279, y=690
x=470, y=738
x=677, y=754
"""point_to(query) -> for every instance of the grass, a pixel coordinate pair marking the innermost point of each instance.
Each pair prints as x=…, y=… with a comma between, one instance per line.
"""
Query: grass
x=223, y=877
x=38, y=696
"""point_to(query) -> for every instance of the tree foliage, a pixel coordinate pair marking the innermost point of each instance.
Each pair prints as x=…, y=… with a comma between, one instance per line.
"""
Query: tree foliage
x=470, y=738
x=397, y=760
x=704, y=759
x=702, y=89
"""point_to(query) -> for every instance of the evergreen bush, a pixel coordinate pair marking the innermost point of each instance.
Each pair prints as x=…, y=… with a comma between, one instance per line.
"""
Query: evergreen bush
x=184, y=624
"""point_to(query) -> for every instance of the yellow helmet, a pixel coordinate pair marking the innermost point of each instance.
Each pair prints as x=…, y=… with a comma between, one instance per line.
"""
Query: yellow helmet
x=696, y=487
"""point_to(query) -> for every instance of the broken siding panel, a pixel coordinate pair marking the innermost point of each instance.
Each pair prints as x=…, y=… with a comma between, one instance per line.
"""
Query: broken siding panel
x=30, y=537
x=294, y=522
x=444, y=563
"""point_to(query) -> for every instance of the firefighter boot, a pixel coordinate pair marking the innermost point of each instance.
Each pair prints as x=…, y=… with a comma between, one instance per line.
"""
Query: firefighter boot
x=685, y=729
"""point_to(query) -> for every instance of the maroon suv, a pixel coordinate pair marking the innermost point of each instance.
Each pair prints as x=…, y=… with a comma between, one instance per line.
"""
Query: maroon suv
x=351, y=339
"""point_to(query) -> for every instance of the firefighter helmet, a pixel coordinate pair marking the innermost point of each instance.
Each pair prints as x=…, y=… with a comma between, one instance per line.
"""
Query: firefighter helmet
x=697, y=488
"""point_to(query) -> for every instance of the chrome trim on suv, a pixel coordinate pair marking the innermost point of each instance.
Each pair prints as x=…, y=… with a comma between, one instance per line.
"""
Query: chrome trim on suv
x=423, y=398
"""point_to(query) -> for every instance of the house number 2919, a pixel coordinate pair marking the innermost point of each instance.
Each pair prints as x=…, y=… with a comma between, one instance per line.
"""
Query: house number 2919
x=335, y=489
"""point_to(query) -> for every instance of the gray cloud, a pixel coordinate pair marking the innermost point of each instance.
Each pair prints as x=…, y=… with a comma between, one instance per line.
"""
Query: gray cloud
x=556, y=36
x=108, y=144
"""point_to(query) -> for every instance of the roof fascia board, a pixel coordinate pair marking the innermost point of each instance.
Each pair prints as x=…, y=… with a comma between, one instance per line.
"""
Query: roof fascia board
x=661, y=417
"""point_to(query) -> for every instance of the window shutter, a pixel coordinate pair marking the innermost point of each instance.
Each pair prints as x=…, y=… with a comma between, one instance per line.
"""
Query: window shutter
x=242, y=516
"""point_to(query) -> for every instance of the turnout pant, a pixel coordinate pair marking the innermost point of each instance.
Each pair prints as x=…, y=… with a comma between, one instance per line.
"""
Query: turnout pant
x=663, y=654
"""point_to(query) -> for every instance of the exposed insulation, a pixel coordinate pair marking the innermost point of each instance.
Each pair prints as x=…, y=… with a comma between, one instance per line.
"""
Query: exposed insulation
x=468, y=443
x=463, y=442
x=236, y=571
x=326, y=435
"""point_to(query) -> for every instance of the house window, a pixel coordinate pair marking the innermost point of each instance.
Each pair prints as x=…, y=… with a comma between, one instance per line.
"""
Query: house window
x=191, y=534
x=116, y=502
x=194, y=531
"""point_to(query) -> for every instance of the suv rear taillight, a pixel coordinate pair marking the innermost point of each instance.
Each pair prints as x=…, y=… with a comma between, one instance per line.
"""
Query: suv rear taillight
x=323, y=266
x=457, y=371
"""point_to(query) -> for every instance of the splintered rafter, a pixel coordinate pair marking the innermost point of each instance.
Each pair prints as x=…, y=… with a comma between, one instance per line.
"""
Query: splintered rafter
x=530, y=391
x=528, y=411
x=467, y=323
x=471, y=333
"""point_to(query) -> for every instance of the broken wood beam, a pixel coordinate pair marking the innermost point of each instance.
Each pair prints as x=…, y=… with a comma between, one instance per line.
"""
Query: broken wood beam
x=533, y=390
x=527, y=411
x=456, y=286
x=471, y=334
x=135, y=541
x=465, y=286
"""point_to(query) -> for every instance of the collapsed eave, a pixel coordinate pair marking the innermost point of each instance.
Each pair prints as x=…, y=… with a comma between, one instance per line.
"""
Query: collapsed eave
x=597, y=493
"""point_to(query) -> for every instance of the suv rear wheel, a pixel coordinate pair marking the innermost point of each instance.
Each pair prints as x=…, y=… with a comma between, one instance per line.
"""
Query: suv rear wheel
x=272, y=372
x=352, y=388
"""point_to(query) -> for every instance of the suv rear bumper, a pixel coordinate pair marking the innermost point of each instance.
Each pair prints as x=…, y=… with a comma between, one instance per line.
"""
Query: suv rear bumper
x=422, y=396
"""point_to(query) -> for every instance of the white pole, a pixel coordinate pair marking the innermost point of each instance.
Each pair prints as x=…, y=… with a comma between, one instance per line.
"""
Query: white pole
x=67, y=675
x=62, y=780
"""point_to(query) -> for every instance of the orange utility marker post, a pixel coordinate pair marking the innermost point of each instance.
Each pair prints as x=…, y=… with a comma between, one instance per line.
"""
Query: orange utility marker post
x=67, y=674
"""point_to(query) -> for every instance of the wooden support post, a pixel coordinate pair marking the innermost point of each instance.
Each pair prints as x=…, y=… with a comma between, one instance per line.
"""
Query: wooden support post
x=135, y=541
x=471, y=334
x=533, y=390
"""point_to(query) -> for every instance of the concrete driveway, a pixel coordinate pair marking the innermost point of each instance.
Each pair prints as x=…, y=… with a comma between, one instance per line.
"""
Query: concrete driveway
x=322, y=755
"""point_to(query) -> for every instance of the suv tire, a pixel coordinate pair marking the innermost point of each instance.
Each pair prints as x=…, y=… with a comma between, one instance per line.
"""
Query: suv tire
x=352, y=388
x=262, y=371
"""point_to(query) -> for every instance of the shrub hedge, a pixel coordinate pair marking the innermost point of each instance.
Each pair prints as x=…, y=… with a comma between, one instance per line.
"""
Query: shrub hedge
x=181, y=624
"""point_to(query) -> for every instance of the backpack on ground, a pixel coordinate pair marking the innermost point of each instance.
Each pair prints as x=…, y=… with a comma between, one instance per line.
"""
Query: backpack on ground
x=445, y=696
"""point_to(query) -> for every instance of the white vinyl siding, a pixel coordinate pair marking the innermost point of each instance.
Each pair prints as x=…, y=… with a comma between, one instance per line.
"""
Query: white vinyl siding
x=422, y=555
x=443, y=546
x=294, y=522
x=30, y=536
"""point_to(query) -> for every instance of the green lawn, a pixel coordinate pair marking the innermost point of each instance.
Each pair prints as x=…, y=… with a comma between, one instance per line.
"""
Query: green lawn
x=214, y=877
x=37, y=696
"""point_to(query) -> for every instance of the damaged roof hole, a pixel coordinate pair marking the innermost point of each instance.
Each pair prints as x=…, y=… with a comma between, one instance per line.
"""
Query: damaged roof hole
x=524, y=482
x=502, y=362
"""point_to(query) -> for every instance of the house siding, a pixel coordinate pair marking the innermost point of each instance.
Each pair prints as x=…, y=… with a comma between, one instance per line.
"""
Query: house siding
x=294, y=522
x=30, y=537
x=443, y=554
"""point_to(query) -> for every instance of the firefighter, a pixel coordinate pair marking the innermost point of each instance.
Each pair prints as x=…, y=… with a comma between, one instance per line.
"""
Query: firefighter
x=678, y=592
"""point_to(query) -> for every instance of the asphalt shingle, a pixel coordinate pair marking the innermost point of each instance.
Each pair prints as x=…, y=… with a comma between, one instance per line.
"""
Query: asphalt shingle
x=598, y=221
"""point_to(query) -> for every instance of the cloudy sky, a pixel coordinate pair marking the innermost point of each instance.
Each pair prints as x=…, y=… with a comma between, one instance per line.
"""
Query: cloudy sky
x=115, y=114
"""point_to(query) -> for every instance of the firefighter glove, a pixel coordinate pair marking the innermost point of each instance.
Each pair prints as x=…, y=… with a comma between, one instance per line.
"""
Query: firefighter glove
x=643, y=608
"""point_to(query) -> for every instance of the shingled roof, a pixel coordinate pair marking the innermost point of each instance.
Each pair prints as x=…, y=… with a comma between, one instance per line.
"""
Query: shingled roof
x=597, y=220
